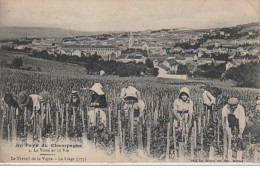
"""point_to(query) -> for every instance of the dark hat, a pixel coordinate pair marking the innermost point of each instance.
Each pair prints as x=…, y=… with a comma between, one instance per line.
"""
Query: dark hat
x=8, y=98
x=23, y=98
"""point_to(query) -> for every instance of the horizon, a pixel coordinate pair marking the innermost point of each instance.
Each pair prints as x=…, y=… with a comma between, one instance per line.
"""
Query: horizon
x=127, y=16
x=180, y=29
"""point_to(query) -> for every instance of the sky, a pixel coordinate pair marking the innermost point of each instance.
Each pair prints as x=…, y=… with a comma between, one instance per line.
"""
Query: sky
x=128, y=15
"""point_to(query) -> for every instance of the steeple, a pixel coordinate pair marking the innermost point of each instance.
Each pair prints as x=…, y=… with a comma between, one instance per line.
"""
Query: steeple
x=131, y=40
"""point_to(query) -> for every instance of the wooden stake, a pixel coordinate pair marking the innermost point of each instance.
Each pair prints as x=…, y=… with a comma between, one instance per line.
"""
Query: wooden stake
x=8, y=132
x=131, y=121
x=74, y=118
x=14, y=130
x=211, y=153
x=168, y=142
x=83, y=120
x=119, y=126
x=224, y=139
x=170, y=114
x=240, y=156
x=109, y=118
x=25, y=121
x=199, y=122
x=229, y=139
x=195, y=134
x=192, y=144
x=249, y=138
x=123, y=143
x=174, y=139
x=34, y=121
x=139, y=137
x=62, y=119
x=67, y=121
x=204, y=121
x=2, y=128
x=29, y=137
x=148, y=135
x=218, y=133
x=52, y=121
x=84, y=139
x=117, y=147
x=230, y=159
x=57, y=125
x=256, y=155
x=181, y=151
x=201, y=141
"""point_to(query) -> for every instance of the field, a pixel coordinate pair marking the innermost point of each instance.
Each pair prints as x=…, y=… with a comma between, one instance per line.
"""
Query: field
x=155, y=138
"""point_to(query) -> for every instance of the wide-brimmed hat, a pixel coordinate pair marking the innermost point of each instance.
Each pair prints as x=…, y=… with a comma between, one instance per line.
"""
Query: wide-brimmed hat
x=97, y=88
x=8, y=98
x=23, y=98
x=131, y=93
x=232, y=101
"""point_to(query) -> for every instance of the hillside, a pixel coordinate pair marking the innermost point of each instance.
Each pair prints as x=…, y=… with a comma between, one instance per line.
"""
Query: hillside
x=18, y=32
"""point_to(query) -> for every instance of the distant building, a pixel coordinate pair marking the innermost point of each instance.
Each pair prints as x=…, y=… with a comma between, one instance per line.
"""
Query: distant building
x=132, y=58
x=230, y=64
x=172, y=64
x=104, y=51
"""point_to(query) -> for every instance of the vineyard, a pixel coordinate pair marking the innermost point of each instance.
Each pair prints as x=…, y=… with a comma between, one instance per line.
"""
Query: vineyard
x=152, y=137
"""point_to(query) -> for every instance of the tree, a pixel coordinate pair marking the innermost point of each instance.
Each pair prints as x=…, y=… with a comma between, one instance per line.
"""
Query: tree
x=246, y=75
x=17, y=63
x=4, y=63
x=149, y=63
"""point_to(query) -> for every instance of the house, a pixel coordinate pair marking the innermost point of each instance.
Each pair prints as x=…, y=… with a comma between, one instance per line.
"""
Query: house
x=157, y=51
x=77, y=53
x=203, y=61
x=172, y=64
x=125, y=58
x=177, y=49
x=163, y=70
x=230, y=64
x=142, y=46
x=223, y=50
x=101, y=50
x=156, y=62
x=244, y=53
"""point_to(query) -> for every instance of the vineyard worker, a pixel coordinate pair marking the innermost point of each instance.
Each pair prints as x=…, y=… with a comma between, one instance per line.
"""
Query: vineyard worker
x=235, y=120
x=208, y=99
x=75, y=119
x=8, y=101
x=74, y=99
x=128, y=89
x=131, y=98
x=31, y=102
x=97, y=105
x=183, y=108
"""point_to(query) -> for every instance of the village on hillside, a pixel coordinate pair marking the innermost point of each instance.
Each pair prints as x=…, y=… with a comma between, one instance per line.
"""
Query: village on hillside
x=168, y=49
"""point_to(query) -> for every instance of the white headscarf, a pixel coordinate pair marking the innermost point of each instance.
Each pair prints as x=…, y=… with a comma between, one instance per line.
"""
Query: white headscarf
x=97, y=88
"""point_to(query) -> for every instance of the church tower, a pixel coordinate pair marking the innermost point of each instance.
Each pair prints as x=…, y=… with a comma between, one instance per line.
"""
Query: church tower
x=131, y=41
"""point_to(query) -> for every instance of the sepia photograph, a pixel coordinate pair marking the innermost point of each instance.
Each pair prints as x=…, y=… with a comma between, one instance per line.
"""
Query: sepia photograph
x=159, y=82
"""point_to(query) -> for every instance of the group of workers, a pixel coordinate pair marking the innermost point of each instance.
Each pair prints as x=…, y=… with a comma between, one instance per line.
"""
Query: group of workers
x=233, y=114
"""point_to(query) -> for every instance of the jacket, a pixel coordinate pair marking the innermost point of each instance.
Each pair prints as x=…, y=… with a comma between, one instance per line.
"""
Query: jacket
x=239, y=114
x=130, y=91
x=98, y=101
x=208, y=98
